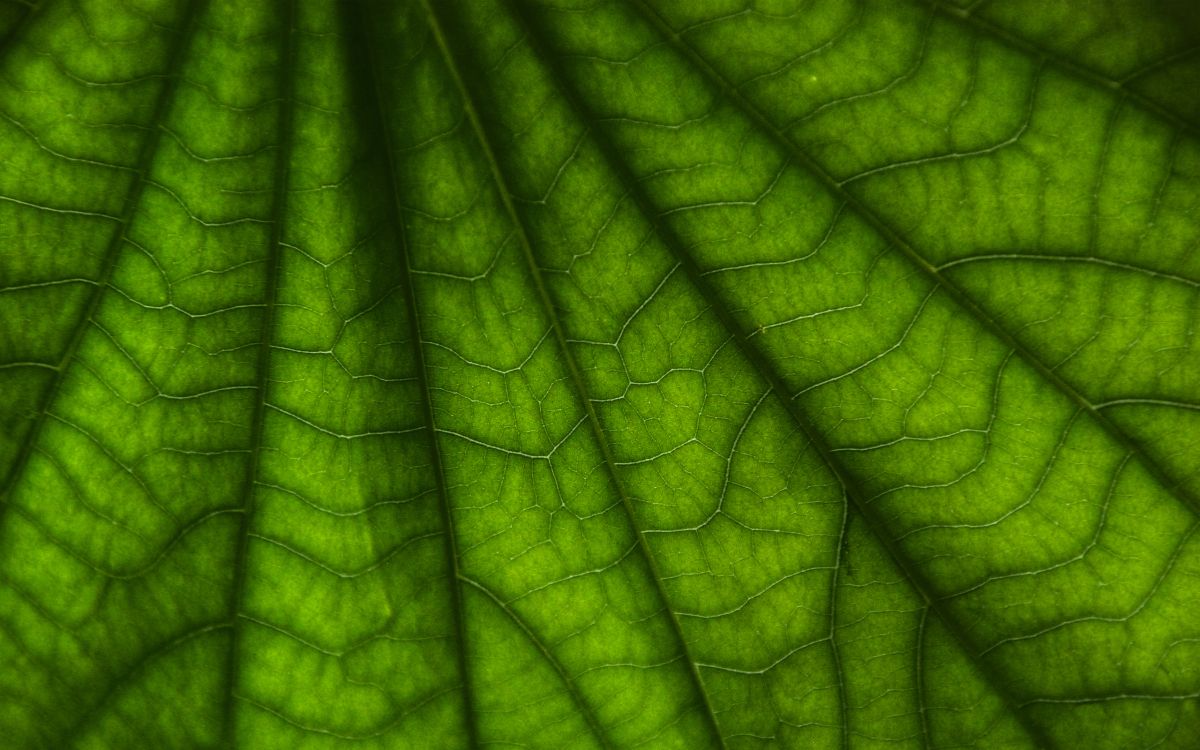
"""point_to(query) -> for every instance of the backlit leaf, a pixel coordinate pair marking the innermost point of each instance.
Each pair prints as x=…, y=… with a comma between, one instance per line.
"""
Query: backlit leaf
x=599, y=373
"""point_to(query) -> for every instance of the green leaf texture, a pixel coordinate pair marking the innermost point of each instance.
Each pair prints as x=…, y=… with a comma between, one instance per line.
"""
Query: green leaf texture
x=599, y=374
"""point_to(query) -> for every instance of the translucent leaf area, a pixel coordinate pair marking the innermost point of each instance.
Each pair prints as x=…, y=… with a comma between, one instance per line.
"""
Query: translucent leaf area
x=599, y=374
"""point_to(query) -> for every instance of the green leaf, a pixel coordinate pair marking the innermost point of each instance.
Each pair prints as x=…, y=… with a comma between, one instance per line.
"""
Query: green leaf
x=599, y=373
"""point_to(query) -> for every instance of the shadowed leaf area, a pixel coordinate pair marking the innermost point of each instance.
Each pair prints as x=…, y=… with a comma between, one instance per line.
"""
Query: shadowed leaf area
x=599, y=374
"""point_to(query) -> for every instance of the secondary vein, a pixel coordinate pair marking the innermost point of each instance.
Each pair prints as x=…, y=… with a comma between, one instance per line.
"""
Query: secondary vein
x=895, y=239
x=422, y=376
x=767, y=370
x=112, y=251
x=271, y=292
x=574, y=372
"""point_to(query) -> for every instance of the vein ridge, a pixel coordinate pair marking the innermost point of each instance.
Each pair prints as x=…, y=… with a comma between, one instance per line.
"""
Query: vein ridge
x=1078, y=70
x=569, y=359
x=282, y=170
x=766, y=369
x=162, y=108
x=894, y=238
x=422, y=375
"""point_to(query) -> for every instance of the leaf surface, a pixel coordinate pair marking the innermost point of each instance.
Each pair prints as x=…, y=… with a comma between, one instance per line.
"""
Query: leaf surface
x=563, y=373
